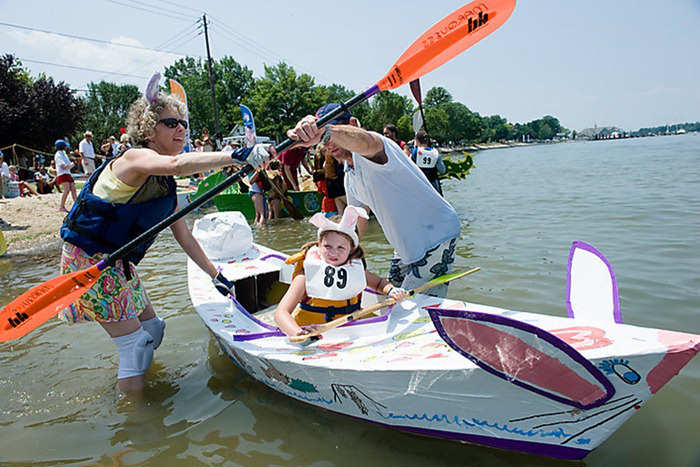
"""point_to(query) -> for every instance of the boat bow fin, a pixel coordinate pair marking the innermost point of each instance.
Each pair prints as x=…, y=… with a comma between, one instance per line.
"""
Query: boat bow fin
x=591, y=287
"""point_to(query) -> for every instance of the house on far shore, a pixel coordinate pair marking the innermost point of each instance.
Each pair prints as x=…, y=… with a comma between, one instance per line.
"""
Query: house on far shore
x=601, y=132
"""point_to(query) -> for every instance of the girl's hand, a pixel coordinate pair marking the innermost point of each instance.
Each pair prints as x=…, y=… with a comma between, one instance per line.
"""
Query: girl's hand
x=398, y=293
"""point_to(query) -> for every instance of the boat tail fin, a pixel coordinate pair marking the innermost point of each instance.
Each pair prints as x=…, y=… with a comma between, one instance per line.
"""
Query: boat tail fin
x=591, y=287
x=524, y=355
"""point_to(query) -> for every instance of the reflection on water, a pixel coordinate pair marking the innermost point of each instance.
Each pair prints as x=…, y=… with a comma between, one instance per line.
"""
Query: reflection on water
x=635, y=200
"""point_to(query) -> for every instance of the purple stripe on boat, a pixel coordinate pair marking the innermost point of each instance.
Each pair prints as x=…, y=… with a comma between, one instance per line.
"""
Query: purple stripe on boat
x=617, y=314
x=273, y=255
x=436, y=313
x=251, y=317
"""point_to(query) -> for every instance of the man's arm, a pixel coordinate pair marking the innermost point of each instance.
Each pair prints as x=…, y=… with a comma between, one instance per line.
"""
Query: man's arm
x=349, y=137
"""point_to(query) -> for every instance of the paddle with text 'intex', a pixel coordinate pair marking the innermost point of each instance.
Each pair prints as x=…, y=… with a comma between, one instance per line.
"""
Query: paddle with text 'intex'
x=443, y=41
x=314, y=336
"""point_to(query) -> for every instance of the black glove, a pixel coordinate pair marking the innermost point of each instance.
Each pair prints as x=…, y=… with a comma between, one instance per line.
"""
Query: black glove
x=223, y=285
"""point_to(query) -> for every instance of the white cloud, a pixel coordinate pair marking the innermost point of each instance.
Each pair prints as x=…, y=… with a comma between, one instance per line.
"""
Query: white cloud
x=110, y=57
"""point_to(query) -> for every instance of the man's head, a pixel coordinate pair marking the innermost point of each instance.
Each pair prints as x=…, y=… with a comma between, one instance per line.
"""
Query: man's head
x=391, y=132
x=422, y=139
x=88, y=135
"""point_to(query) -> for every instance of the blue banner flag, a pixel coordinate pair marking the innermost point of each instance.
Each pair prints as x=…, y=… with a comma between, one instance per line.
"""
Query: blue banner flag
x=249, y=124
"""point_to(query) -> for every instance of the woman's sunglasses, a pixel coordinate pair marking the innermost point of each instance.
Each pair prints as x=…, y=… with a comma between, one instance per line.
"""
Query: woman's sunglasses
x=172, y=122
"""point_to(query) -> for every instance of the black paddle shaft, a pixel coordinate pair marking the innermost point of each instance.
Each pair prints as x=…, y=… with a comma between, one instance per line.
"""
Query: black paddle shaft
x=111, y=259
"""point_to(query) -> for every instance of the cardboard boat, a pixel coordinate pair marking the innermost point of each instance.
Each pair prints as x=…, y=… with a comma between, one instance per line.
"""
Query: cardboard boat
x=540, y=384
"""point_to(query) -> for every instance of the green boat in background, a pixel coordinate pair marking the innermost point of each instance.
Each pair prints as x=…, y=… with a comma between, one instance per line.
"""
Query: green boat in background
x=231, y=199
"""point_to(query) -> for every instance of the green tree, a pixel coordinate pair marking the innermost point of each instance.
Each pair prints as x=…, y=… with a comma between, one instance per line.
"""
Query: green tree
x=438, y=122
x=281, y=98
x=463, y=124
x=436, y=96
x=107, y=106
x=337, y=93
x=387, y=107
x=232, y=84
x=35, y=112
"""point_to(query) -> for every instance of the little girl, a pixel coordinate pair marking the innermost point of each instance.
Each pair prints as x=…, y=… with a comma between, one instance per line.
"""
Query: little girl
x=329, y=276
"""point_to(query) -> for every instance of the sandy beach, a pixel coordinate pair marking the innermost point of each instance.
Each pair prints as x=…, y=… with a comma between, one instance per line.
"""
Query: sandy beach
x=34, y=223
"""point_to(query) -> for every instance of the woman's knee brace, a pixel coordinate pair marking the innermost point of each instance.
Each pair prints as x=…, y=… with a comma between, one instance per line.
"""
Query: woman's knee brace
x=156, y=328
x=135, y=353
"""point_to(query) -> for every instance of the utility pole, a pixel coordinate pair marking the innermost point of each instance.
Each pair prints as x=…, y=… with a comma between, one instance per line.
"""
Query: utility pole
x=217, y=132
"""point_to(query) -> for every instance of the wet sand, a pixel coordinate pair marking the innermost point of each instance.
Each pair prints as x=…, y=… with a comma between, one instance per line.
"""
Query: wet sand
x=32, y=224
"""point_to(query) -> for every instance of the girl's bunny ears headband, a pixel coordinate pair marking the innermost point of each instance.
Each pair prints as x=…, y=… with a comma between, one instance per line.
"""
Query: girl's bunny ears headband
x=347, y=223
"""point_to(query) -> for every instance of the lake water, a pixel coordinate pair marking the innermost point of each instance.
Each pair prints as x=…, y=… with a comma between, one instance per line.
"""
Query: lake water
x=637, y=201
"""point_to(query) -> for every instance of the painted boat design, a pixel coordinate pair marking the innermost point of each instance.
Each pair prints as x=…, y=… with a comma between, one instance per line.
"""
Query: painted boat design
x=540, y=384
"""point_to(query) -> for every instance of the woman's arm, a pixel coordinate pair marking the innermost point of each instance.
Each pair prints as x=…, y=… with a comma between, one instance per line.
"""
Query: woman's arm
x=142, y=162
x=292, y=298
x=191, y=246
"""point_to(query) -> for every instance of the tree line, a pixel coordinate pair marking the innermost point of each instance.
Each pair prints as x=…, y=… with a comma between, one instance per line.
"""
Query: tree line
x=36, y=110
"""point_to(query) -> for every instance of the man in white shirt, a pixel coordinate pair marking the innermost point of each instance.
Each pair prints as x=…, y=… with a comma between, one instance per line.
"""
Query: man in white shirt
x=87, y=153
x=421, y=226
x=4, y=175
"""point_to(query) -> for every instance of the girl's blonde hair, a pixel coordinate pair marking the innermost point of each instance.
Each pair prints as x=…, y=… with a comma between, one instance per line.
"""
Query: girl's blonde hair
x=143, y=117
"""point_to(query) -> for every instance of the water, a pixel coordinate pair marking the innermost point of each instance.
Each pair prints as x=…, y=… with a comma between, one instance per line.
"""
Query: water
x=637, y=201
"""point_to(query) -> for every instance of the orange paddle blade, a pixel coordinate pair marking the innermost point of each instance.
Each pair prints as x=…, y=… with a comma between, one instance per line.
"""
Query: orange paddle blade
x=38, y=304
x=451, y=36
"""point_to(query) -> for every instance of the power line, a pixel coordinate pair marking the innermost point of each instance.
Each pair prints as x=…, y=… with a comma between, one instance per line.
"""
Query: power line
x=73, y=36
x=185, y=7
x=178, y=36
x=263, y=52
x=181, y=16
x=80, y=68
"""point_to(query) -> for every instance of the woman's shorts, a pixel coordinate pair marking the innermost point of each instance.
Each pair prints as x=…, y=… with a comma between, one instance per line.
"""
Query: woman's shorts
x=112, y=298
x=65, y=178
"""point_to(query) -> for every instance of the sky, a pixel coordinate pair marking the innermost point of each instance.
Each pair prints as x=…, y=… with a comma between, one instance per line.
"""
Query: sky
x=626, y=63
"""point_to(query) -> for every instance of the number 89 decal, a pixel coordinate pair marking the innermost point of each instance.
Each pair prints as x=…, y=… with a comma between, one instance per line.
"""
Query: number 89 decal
x=330, y=277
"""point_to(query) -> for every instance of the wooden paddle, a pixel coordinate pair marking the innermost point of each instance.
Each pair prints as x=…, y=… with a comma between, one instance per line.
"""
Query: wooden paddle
x=288, y=205
x=443, y=41
x=314, y=336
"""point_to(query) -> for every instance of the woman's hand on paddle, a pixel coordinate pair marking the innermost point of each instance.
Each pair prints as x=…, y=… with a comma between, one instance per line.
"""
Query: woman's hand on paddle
x=306, y=133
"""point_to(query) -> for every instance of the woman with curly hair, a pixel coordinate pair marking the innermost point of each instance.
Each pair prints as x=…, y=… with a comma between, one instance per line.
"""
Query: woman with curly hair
x=122, y=199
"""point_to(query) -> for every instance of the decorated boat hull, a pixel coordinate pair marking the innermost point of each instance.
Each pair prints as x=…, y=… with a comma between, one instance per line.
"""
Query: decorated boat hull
x=546, y=385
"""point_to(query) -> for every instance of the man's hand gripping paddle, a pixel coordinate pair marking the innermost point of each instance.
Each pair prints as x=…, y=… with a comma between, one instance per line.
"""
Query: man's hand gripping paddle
x=306, y=339
x=452, y=35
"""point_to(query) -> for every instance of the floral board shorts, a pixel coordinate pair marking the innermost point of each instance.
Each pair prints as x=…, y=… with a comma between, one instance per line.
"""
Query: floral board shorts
x=436, y=262
x=112, y=298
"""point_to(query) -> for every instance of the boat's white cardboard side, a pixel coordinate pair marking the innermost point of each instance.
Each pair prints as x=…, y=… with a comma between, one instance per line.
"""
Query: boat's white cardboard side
x=401, y=372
